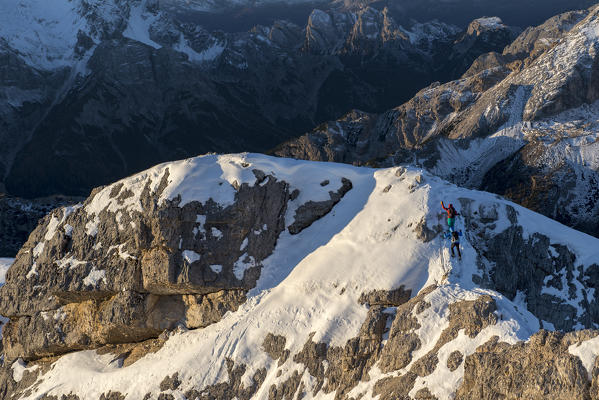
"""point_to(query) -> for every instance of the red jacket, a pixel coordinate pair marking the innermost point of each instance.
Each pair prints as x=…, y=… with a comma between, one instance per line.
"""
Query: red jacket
x=451, y=212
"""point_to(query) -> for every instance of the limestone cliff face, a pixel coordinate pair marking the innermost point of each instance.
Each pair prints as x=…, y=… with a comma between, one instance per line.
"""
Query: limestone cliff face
x=85, y=279
x=123, y=266
x=551, y=270
x=499, y=370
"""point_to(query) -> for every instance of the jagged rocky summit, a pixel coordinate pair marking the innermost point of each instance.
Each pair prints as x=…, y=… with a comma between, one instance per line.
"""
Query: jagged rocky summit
x=521, y=123
x=182, y=90
x=252, y=277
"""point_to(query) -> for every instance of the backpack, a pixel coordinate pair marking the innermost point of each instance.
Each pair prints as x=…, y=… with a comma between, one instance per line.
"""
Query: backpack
x=452, y=212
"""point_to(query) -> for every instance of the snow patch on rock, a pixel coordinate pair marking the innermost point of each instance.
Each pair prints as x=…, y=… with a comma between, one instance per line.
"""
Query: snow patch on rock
x=37, y=250
x=216, y=268
x=217, y=234
x=94, y=277
x=190, y=256
x=243, y=263
x=32, y=272
x=19, y=368
x=5, y=264
x=70, y=262
x=587, y=351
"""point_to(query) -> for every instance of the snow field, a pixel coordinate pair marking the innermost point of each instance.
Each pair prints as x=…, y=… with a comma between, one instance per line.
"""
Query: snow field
x=138, y=27
x=43, y=32
x=587, y=351
x=312, y=281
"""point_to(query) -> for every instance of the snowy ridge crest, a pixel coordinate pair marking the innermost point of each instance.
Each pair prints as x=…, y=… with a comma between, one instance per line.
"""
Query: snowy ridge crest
x=384, y=236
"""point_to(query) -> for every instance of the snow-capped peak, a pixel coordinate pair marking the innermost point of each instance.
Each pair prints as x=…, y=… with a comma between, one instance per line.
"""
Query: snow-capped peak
x=384, y=234
x=61, y=33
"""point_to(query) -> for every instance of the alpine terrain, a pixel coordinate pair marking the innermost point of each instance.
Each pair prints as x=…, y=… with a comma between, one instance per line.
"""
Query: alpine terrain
x=249, y=277
x=330, y=269
x=521, y=123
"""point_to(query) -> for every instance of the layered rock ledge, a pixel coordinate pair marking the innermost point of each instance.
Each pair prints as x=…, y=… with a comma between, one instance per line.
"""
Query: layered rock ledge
x=138, y=257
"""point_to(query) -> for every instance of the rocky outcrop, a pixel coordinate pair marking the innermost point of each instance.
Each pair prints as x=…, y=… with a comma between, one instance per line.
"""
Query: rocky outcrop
x=387, y=298
x=123, y=318
x=87, y=278
x=178, y=245
x=540, y=366
x=308, y=213
x=536, y=40
x=482, y=36
x=274, y=346
x=554, y=285
x=233, y=388
x=454, y=360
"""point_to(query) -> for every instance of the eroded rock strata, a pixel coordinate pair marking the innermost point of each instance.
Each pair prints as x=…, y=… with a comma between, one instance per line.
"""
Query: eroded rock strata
x=125, y=273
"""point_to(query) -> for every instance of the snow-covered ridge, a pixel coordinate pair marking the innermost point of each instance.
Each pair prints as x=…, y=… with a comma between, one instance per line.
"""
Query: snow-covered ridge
x=371, y=240
x=217, y=176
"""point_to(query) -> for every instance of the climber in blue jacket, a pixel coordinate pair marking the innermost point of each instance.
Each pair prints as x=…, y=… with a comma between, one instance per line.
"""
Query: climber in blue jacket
x=455, y=242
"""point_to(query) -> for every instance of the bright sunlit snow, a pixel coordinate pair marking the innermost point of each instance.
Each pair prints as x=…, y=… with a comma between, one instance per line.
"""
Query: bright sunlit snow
x=312, y=281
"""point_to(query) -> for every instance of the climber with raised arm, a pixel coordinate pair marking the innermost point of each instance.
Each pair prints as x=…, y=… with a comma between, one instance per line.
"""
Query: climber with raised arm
x=451, y=214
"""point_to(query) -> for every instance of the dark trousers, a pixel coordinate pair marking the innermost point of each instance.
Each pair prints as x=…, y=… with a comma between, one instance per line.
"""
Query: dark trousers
x=456, y=245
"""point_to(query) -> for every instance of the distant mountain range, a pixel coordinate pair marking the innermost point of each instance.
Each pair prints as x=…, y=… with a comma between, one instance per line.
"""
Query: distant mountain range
x=93, y=91
x=458, y=12
x=250, y=277
x=521, y=123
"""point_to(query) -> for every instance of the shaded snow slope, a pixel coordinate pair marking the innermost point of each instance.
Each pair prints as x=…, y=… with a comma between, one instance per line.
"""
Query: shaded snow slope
x=382, y=234
x=61, y=33
x=44, y=33
x=5, y=263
